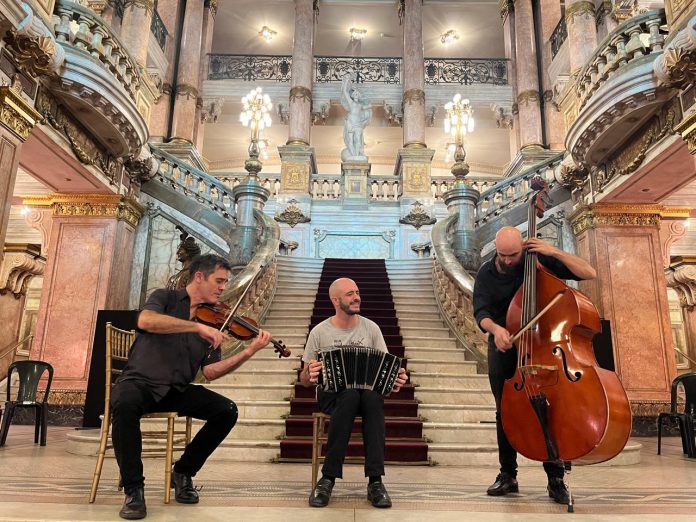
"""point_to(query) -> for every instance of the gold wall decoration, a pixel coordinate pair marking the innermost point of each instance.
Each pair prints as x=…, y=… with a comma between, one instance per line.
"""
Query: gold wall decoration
x=687, y=129
x=417, y=178
x=579, y=9
x=294, y=177
x=413, y=96
x=15, y=112
x=124, y=208
x=34, y=55
x=418, y=216
x=292, y=214
x=57, y=397
x=505, y=7
x=212, y=5
x=681, y=66
x=528, y=96
x=147, y=5
x=300, y=93
x=607, y=214
x=649, y=408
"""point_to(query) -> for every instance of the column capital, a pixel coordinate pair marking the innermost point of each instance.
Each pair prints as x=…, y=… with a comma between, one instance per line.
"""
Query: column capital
x=16, y=113
x=506, y=7
x=147, y=5
x=577, y=9
x=123, y=208
x=622, y=214
x=19, y=264
x=681, y=277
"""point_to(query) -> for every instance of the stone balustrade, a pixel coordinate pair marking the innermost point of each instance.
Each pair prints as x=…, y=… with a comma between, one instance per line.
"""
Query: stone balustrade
x=83, y=29
x=637, y=37
x=515, y=190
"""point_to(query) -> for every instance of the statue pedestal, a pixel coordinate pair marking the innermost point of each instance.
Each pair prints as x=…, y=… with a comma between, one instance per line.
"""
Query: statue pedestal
x=355, y=190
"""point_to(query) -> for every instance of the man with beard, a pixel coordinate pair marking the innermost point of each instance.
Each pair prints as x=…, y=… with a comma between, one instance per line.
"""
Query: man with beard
x=497, y=282
x=348, y=328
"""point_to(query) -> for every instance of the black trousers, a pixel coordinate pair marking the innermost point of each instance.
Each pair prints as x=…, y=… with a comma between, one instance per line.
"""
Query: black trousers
x=343, y=408
x=130, y=400
x=501, y=366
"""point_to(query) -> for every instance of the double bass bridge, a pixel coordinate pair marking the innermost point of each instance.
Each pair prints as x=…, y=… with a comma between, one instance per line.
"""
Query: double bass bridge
x=539, y=375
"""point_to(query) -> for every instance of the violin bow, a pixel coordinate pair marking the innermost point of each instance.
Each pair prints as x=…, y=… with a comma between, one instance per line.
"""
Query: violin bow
x=241, y=298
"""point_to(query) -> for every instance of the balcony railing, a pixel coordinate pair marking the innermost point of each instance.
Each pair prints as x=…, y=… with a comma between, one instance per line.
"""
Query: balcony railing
x=559, y=35
x=159, y=31
x=460, y=71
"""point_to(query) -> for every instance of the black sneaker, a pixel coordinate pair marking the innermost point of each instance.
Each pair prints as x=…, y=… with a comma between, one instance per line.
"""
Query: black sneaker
x=185, y=493
x=322, y=493
x=558, y=491
x=378, y=496
x=504, y=484
x=134, y=505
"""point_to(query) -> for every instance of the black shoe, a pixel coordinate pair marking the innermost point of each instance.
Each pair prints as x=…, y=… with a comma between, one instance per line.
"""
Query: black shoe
x=378, y=496
x=322, y=493
x=558, y=491
x=504, y=484
x=185, y=493
x=134, y=505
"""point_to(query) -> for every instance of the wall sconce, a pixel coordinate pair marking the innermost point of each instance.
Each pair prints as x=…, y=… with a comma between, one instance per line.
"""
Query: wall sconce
x=357, y=33
x=449, y=37
x=267, y=33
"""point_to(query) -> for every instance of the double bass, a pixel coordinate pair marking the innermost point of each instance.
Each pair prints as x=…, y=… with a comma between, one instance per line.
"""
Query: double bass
x=559, y=405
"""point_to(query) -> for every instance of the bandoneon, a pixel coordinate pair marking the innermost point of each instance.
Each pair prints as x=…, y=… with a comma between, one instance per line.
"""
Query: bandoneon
x=361, y=368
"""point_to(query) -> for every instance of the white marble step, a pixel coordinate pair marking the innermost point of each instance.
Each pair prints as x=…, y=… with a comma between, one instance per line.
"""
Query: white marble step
x=244, y=375
x=409, y=302
x=429, y=341
x=244, y=429
x=460, y=432
x=456, y=413
x=270, y=362
x=404, y=315
x=281, y=307
x=253, y=392
x=415, y=332
x=448, y=380
x=282, y=329
x=441, y=354
x=293, y=298
x=427, y=395
x=435, y=366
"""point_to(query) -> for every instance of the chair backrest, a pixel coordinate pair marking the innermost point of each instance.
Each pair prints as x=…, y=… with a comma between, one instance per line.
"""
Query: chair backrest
x=30, y=373
x=118, y=342
x=688, y=380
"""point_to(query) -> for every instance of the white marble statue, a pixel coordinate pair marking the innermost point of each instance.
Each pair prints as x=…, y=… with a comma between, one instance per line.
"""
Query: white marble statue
x=359, y=114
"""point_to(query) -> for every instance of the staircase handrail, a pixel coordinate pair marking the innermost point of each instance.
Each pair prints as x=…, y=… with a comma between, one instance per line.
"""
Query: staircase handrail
x=454, y=290
x=13, y=345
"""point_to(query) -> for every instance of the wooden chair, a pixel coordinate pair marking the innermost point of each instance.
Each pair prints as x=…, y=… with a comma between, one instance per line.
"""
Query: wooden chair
x=118, y=342
x=319, y=437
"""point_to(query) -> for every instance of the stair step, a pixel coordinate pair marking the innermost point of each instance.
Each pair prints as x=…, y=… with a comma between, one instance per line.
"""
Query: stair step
x=430, y=365
x=409, y=332
x=394, y=450
x=442, y=354
x=454, y=395
x=456, y=413
x=246, y=376
x=253, y=392
x=434, y=342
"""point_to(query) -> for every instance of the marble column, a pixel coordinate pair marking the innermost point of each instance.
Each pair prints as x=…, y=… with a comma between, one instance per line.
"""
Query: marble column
x=135, y=28
x=17, y=118
x=207, y=45
x=294, y=203
x=528, y=102
x=20, y=264
x=160, y=113
x=187, y=80
x=414, y=77
x=622, y=242
x=582, y=33
x=507, y=13
x=550, y=14
x=88, y=268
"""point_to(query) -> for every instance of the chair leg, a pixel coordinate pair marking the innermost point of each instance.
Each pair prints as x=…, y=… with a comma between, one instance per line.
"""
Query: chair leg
x=44, y=422
x=316, y=447
x=691, y=437
x=659, y=433
x=169, y=457
x=37, y=423
x=6, y=420
x=106, y=422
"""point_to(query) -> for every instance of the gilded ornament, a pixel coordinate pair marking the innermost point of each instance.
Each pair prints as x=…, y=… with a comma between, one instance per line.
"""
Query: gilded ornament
x=506, y=7
x=292, y=214
x=300, y=93
x=184, y=89
x=413, y=96
x=34, y=55
x=418, y=216
x=67, y=397
x=615, y=215
x=294, y=177
x=147, y=5
x=681, y=66
x=416, y=179
x=528, y=96
x=579, y=9
x=16, y=113
x=687, y=129
x=124, y=208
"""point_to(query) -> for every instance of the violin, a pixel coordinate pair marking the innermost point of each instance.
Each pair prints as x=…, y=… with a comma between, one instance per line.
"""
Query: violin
x=243, y=328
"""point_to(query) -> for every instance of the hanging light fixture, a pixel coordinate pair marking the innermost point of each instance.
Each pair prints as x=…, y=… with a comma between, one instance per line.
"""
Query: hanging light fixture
x=267, y=33
x=357, y=33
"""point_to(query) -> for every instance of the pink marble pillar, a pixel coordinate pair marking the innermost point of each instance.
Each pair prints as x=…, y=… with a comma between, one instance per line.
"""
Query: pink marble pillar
x=208, y=26
x=582, y=33
x=622, y=242
x=88, y=268
x=528, y=102
x=550, y=13
x=159, y=115
x=414, y=77
x=135, y=28
x=507, y=13
x=299, y=123
x=186, y=90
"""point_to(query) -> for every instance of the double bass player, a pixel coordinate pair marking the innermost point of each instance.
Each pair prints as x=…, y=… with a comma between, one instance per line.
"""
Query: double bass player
x=497, y=281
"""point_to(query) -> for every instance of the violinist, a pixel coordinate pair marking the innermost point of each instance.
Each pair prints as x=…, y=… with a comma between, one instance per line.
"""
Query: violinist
x=496, y=283
x=168, y=351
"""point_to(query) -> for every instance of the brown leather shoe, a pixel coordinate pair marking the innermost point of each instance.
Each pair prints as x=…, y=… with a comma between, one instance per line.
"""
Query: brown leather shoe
x=504, y=484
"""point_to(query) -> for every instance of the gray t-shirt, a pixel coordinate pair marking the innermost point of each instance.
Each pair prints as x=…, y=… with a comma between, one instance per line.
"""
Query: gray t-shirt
x=325, y=336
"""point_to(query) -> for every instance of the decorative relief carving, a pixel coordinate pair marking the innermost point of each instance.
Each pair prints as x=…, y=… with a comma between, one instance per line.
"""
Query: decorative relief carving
x=124, y=208
x=292, y=214
x=687, y=129
x=671, y=230
x=579, y=9
x=67, y=397
x=682, y=279
x=615, y=215
x=506, y=7
x=15, y=112
x=19, y=264
x=503, y=118
x=294, y=177
x=300, y=93
x=572, y=175
x=418, y=216
x=141, y=168
x=527, y=97
x=184, y=89
x=34, y=55
x=211, y=108
x=413, y=96
x=677, y=65
x=649, y=408
x=416, y=178
x=147, y=5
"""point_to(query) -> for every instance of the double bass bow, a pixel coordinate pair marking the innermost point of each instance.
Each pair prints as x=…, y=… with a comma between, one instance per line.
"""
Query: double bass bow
x=559, y=405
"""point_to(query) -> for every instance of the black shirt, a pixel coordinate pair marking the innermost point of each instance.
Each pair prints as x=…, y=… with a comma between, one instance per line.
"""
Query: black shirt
x=164, y=361
x=494, y=291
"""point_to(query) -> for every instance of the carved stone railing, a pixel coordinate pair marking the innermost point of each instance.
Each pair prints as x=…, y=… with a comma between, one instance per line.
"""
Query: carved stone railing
x=637, y=37
x=94, y=36
x=438, y=71
x=510, y=192
x=454, y=288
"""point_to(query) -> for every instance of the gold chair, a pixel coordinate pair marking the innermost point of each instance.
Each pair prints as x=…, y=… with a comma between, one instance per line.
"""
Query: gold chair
x=118, y=342
x=319, y=437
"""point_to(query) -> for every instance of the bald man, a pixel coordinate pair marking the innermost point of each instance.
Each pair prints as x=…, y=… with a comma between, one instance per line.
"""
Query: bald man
x=348, y=328
x=496, y=283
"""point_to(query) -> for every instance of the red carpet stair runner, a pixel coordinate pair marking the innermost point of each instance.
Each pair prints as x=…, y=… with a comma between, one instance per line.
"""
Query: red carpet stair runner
x=404, y=429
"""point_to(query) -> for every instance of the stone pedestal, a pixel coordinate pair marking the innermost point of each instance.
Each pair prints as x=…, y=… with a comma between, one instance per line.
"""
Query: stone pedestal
x=622, y=242
x=461, y=200
x=527, y=158
x=88, y=268
x=186, y=152
x=249, y=195
x=294, y=202
x=355, y=190
x=413, y=169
